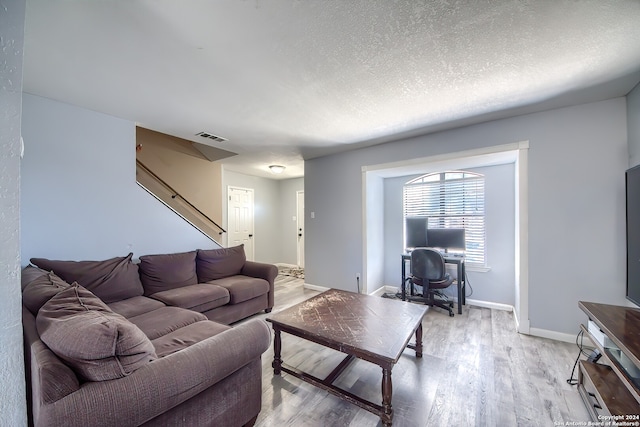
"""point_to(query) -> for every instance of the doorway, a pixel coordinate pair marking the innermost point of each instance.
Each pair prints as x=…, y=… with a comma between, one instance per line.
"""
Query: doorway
x=240, y=219
x=300, y=227
x=373, y=221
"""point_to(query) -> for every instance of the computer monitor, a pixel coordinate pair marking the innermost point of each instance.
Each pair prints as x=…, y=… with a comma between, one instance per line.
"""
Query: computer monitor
x=415, y=232
x=446, y=238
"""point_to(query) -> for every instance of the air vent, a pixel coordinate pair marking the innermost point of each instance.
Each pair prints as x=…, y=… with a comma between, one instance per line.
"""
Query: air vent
x=211, y=136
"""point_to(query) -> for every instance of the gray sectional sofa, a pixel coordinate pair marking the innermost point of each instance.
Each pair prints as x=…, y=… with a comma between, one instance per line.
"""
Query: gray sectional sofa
x=116, y=342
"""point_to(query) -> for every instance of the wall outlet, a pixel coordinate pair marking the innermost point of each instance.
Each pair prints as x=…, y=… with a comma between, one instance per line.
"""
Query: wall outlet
x=357, y=276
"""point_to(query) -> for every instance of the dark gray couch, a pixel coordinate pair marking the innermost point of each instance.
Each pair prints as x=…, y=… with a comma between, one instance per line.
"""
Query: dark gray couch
x=118, y=343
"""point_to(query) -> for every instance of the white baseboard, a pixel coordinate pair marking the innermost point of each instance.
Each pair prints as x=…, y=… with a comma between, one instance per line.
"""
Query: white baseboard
x=383, y=290
x=284, y=264
x=315, y=287
x=477, y=303
x=488, y=304
x=553, y=335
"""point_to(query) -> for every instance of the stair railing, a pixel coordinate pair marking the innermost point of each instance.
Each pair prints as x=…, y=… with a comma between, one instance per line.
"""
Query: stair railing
x=176, y=202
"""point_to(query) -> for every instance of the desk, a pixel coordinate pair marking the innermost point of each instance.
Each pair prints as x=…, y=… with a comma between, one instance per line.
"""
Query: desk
x=458, y=261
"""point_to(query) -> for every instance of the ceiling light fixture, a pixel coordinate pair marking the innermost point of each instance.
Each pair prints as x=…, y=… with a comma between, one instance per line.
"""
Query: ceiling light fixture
x=276, y=169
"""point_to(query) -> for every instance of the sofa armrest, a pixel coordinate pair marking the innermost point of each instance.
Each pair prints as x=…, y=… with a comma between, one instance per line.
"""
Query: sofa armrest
x=264, y=271
x=163, y=383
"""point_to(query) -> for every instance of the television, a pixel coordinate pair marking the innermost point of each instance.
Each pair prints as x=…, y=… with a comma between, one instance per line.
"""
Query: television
x=415, y=232
x=446, y=238
x=632, y=185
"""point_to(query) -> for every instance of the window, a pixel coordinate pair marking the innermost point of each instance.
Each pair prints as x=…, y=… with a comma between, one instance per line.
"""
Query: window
x=452, y=199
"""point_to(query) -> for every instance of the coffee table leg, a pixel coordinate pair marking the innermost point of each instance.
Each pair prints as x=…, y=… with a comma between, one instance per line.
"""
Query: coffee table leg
x=419, y=340
x=386, y=397
x=277, y=347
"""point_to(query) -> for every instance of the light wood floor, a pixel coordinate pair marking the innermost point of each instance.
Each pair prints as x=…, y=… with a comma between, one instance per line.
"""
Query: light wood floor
x=475, y=371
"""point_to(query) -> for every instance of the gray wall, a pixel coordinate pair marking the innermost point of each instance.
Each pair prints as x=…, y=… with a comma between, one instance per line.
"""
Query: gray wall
x=577, y=159
x=633, y=125
x=12, y=396
x=80, y=200
x=496, y=285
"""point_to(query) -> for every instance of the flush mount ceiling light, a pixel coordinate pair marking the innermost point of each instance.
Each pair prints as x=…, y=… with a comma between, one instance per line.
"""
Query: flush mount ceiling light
x=276, y=169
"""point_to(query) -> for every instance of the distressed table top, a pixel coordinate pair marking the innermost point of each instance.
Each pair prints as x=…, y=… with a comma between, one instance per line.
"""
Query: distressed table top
x=369, y=327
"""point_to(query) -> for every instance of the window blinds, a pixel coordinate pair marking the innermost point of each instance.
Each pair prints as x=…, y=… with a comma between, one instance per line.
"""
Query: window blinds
x=456, y=200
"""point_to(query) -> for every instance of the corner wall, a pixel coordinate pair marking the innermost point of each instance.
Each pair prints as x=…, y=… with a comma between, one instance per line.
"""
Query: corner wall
x=13, y=410
x=497, y=284
x=80, y=200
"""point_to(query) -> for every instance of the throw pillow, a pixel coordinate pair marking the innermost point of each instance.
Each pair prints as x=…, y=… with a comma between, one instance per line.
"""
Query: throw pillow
x=41, y=289
x=95, y=342
x=111, y=280
x=212, y=264
x=31, y=273
x=167, y=271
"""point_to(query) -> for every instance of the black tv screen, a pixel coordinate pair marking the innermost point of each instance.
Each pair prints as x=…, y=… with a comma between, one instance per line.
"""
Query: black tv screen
x=415, y=232
x=446, y=238
x=632, y=178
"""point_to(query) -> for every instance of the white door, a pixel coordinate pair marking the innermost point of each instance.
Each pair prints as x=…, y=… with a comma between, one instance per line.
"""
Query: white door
x=300, y=226
x=240, y=219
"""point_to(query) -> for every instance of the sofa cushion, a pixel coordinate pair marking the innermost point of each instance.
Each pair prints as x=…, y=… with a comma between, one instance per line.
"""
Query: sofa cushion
x=187, y=336
x=97, y=343
x=200, y=298
x=135, y=306
x=41, y=288
x=167, y=271
x=110, y=280
x=215, y=264
x=242, y=288
x=165, y=320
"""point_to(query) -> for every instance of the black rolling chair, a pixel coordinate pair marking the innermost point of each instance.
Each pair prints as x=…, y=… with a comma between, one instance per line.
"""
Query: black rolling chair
x=428, y=272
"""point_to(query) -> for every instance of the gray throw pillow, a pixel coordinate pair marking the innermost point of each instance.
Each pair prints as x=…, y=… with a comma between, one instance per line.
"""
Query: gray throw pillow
x=114, y=279
x=37, y=291
x=95, y=342
x=213, y=264
x=167, y=271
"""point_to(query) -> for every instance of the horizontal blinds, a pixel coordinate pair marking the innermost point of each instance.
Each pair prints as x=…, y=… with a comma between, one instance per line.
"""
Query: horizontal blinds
x=451, y=203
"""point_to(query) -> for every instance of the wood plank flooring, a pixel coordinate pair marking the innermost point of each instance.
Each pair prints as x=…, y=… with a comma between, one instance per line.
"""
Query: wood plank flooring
x=475, y=371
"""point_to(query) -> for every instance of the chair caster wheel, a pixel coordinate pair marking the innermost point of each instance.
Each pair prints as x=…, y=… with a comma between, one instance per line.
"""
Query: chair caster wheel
x=450, y=314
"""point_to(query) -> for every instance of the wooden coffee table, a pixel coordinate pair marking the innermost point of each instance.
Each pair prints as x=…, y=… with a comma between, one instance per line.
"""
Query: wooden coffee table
x=370, y=328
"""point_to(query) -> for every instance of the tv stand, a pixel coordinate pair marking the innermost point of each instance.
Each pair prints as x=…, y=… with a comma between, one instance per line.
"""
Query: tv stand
x=611, y=387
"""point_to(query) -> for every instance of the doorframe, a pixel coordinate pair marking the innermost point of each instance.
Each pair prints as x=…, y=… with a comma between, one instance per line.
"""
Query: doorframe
x=253, y=224
x=516, y=153
x=298, y=215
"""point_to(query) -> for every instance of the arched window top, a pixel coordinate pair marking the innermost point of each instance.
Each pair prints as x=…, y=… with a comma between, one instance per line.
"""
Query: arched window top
x=444, y=176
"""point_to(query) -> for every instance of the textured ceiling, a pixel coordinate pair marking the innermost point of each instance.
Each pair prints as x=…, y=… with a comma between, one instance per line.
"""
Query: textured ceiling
x=284, y=80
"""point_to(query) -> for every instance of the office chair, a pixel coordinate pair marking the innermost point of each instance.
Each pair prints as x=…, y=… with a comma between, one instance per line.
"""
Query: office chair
x=428, y=272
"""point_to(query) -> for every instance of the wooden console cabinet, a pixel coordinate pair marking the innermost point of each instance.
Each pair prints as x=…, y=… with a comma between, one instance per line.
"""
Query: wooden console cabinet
x=611, y=387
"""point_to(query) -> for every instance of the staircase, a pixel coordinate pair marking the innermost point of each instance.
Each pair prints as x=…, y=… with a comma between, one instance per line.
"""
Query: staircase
x=162, y=191
x=184, y=176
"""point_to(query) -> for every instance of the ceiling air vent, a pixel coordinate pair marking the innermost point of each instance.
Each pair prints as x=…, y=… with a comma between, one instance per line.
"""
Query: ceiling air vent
x=211, y=136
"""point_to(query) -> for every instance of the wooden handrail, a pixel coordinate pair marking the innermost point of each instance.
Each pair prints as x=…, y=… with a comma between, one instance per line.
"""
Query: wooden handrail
x=176, y=194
